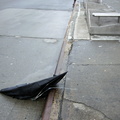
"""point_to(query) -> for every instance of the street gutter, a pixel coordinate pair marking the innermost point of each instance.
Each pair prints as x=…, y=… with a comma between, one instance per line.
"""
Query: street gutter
x=61, y=64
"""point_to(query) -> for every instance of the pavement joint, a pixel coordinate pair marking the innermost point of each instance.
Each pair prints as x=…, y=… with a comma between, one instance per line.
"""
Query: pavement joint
x=17, y=36
x=93, y=64
x=69, y=10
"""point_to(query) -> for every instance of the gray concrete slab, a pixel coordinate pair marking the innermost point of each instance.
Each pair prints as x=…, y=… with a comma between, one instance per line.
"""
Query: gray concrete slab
x=31, y=36
x=37, y=4
x=94, y=5
x=81, y=28
x=96, y=86
x=115, y=5
x=92, y=81
x=24, y=60
x=79, y=111
x=34, y=23
x=12, y=109
x=95, y=52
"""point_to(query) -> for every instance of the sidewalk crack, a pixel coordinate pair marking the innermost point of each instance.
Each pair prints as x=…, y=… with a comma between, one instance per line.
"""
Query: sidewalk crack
x=87, y=109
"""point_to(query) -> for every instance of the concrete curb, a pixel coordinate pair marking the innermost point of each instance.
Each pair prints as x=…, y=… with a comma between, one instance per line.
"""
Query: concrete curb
x=72, y=23
x=68, y=39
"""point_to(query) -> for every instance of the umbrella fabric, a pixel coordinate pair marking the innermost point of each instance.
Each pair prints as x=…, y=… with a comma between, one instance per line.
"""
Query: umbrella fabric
x=32, y=90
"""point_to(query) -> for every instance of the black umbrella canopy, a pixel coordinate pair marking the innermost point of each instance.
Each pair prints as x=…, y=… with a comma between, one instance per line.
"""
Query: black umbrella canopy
x=32, y=90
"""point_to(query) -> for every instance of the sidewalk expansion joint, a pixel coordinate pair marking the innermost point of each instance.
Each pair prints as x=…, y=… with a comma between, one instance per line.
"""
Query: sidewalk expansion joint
x=86, y=107
x=17, y=36
x=69, y=10
x=112, y=64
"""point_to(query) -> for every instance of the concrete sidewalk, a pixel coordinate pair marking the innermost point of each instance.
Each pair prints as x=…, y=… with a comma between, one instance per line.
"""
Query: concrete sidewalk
x=92, y=87
x=30, y=44
x=93, y=80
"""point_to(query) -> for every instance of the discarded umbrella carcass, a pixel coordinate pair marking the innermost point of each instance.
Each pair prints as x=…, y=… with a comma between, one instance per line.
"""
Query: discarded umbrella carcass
x=33, y=90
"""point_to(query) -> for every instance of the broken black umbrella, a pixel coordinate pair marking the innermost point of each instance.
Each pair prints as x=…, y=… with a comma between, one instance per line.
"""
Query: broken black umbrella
x=32, y=90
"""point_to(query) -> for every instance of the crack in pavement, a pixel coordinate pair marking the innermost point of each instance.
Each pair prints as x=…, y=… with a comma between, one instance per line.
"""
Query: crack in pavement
x=88, y=111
